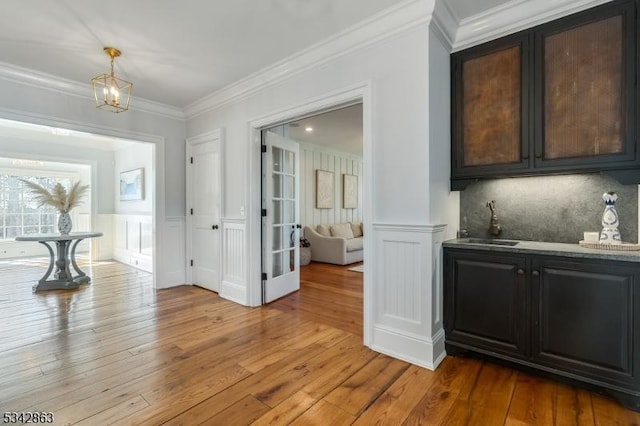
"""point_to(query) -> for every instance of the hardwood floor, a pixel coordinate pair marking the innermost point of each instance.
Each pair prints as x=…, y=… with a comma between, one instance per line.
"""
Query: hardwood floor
x=118, y=352
x=329, y=294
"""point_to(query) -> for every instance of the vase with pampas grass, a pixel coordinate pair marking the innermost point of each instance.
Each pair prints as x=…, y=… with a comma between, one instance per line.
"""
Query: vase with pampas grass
x=59, y=198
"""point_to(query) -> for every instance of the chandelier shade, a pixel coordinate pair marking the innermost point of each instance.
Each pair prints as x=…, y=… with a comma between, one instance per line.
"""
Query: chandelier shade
x=112, y=93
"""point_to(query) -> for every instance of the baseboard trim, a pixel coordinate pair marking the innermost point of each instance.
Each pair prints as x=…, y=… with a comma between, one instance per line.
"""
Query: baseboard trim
x=427, y=353
x=233, y=292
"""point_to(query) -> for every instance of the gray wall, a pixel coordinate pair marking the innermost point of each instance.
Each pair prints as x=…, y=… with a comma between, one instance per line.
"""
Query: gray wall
x=548, y=208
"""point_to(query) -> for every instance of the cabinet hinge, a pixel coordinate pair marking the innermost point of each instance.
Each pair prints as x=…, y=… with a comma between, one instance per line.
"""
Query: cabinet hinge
x=191, y=262
x=191, y=160
x=191, y=211
x=264, y=276
x=264, y=212
x=263, y=149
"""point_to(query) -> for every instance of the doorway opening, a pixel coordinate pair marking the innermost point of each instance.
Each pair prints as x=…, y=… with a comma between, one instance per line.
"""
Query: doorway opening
x=127, y=220
x=312, y=181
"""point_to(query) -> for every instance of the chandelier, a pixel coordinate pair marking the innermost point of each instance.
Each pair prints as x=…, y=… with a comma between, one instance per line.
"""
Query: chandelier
x=112, y=93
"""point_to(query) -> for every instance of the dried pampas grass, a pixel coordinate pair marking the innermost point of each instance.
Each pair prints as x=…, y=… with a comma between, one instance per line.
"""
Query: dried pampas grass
x=58, y=197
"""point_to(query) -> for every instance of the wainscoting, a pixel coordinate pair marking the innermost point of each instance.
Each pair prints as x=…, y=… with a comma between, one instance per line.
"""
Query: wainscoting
x=234, y=267
x=171, y=262
x=133, y=240
x=407, y=300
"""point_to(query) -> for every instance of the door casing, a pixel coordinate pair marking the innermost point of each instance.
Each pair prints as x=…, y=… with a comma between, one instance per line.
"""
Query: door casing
x=358, y=93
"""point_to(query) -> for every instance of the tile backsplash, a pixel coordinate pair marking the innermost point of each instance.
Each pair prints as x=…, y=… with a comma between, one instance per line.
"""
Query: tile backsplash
x=548, y=208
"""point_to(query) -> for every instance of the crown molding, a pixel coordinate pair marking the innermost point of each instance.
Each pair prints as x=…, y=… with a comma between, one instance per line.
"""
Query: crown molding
x=78, y=126
x=514, y=16
x=445, y=23
x=396, y=20
x=53, y=83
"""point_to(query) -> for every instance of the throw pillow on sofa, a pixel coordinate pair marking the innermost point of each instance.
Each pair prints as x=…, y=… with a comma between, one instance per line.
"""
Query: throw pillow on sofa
x=341, y=230
x=356, y=229
x=323, y=230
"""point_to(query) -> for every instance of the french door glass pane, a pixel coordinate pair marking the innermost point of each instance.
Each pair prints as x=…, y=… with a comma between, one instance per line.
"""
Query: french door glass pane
x=277, y=159
x=277, y=264
x=282, y=237
x=289, y=187
x=277, y=185
x=289, y=162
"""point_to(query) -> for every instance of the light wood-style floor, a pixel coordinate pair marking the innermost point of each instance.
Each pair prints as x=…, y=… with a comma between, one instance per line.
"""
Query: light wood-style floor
x=116, y=351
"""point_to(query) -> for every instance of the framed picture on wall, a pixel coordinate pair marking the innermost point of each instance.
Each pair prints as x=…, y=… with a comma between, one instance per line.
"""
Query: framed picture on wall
x=349, y=191
x=324, y=189
x=132, y=185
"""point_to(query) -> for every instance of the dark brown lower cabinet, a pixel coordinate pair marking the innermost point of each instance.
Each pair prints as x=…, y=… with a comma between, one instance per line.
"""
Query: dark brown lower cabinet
x=576, y=319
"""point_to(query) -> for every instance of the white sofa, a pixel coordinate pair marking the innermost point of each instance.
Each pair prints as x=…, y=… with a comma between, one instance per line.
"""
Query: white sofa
x=338, y=243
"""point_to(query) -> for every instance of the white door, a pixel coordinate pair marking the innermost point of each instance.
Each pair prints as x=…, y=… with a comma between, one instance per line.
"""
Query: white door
x=280, y=225
x=204, y=211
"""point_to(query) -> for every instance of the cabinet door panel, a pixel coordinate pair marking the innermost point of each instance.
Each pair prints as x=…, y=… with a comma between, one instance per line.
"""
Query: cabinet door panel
x=490, y=108
x=485, y=302
x=584, y=91
x=584, y=319
x=491, y=118
x=585, y=71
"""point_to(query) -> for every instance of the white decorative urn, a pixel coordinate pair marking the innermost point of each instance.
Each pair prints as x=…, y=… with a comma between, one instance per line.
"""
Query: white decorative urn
x=610, y=222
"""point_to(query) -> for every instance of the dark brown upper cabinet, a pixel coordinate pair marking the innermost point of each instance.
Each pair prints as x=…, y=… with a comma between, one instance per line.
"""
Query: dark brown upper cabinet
x=558, y=98
x=491, y=108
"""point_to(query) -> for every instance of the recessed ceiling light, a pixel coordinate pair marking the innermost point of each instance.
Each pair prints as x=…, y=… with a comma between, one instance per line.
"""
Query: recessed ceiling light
x=308, y=129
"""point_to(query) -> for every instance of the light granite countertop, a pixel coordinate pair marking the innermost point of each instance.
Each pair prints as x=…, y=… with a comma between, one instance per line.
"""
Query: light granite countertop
x=543, y=248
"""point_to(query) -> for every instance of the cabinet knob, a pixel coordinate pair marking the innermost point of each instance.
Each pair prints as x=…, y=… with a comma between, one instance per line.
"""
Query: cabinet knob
x=535, y=273
x=520, y=271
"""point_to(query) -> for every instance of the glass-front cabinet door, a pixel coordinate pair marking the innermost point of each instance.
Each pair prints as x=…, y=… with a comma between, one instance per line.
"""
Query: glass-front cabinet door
x=491, y=99
x=585, y=75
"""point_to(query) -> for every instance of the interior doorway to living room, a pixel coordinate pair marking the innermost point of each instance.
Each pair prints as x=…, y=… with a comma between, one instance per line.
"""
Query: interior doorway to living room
x=329, y=167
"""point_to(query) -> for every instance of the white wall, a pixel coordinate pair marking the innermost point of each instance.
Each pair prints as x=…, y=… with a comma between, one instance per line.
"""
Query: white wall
x=314, y=158
x=135, y=157
x=132, y=225
x=395, y=70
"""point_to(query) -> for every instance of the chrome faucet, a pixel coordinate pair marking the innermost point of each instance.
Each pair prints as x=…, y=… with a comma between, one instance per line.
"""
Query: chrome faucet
x=494, y=226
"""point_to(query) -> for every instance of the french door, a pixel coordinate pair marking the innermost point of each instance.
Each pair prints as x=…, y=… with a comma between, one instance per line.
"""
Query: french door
x=281, y=216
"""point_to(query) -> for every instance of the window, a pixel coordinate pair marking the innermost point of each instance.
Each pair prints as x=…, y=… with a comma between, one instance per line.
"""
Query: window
x=20, y=214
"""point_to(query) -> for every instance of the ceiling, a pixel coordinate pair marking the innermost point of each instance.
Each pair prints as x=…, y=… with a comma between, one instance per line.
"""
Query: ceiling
x=174, y=52
x=463, y=9
x=340, y=129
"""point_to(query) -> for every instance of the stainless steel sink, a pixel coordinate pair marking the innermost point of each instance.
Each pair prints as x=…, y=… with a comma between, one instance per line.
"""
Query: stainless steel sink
x=490, y=241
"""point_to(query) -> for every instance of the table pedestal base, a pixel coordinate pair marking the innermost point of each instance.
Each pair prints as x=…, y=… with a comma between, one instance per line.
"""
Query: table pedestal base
x=64, y=280
x=61, y=284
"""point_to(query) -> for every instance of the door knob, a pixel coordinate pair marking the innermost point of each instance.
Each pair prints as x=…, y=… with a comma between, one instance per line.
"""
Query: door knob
x=520, y=271
x=298, y=226
x=214, y=226
x=535, y=273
